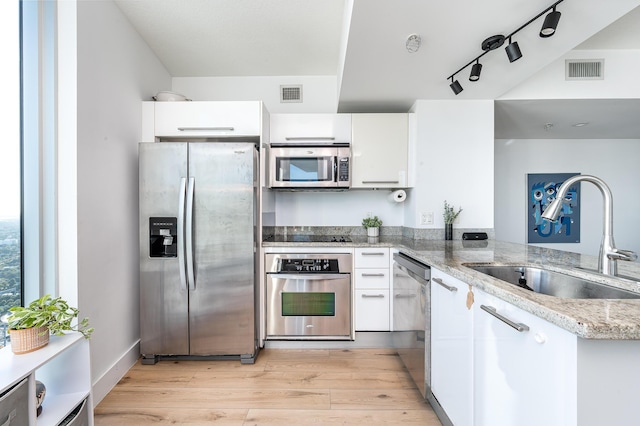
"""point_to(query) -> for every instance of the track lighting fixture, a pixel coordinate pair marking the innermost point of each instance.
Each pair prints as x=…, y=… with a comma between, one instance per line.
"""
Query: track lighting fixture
x=455, y=86
x=550, y=24
x=476, y=69
x=513, y=50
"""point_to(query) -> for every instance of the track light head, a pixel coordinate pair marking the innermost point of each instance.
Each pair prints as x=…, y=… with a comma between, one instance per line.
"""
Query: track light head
x=476, y=69
x=513, y=51
x=550, y=24
x=455, y=86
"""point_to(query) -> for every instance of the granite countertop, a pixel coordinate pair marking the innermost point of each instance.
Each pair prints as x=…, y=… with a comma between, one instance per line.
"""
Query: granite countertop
x=587, y=318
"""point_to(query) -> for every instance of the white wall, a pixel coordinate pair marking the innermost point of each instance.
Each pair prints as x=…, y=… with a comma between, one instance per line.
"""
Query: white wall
x=615, y=161
x=336, y=208
x=454, y=162
x=115, y=71
x=319, y=93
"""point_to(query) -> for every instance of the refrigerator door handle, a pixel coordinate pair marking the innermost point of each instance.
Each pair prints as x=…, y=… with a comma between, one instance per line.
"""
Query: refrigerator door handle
x=183, y=272
x=189, y=235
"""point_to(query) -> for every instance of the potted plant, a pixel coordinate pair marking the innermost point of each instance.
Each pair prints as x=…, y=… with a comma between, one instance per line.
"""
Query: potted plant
x=30, y=326
x=372, y=225
x=450, y=216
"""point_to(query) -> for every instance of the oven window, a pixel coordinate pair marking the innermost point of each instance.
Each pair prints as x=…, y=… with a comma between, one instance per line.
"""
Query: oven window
x=308, y=304
x=304, y=169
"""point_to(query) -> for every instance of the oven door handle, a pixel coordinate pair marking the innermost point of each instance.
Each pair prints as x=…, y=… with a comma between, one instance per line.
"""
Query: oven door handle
x=310, y=277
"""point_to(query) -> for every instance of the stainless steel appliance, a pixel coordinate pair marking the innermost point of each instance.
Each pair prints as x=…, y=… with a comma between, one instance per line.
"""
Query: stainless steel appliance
x=411, y=318
x=309, y=296
x=198, y=239
x=299, y=167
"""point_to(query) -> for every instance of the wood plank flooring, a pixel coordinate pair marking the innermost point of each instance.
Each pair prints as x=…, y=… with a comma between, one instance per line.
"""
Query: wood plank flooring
x=283, y=387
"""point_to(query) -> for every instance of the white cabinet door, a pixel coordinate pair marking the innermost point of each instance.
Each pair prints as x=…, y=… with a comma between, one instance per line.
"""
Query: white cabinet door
x=452, y=347
x=310, y=128
x=208, y=119
x=372, y=310
x=380, y=150
x=521, y=377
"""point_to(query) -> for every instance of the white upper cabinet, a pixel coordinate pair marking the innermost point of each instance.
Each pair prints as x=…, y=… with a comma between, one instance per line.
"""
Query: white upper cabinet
x=380, y=144
x=206, y=119
x=310, y=128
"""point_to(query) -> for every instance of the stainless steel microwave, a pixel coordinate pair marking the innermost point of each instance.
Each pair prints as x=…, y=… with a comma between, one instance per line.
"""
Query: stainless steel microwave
x=309, y=167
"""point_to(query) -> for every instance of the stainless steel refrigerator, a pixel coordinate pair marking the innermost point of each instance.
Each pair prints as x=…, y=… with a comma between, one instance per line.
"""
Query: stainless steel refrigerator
x=198, y=245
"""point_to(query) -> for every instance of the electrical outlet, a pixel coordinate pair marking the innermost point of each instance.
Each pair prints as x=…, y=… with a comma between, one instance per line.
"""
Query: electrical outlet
x=426, y=218
x=369, y=215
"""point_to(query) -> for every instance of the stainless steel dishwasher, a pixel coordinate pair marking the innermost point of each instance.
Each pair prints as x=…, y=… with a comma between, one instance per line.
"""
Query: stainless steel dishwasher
x=412, y=317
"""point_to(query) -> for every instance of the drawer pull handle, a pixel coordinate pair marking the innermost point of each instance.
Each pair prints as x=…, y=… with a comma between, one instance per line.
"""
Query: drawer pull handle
x=516, y=325
x=373, y=275
x=229, y=129
x=451, y=288
x=377, y=253
x=373, y=295
x=380, y=181
x=310, y=138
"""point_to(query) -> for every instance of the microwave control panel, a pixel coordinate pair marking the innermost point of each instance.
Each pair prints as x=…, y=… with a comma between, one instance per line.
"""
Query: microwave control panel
x=343, y=169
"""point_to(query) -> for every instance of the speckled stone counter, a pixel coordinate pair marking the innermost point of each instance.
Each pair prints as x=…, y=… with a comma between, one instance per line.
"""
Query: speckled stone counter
x=587, y=318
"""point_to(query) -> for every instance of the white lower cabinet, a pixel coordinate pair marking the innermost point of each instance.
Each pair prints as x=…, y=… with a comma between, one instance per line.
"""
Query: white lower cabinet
x=451, y=348
x=63, y=366
x=372, y=289
x=524, y=367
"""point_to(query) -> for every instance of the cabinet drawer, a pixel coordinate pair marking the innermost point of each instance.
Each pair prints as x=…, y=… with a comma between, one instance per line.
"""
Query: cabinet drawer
x=372, y=278
x=372, y=310
x=377, y=257
x=14, y=405
x=206, y=119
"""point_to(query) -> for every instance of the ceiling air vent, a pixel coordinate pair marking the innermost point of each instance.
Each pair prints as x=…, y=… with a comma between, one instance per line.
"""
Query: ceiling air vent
x=291, y=93
x=584, y=69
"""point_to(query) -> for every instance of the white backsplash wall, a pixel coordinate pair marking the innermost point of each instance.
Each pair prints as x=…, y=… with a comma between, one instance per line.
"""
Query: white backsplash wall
x=346, y=208
x=613, y=160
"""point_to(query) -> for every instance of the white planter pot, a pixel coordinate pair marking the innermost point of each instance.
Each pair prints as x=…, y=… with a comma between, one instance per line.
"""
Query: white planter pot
x=373, y=232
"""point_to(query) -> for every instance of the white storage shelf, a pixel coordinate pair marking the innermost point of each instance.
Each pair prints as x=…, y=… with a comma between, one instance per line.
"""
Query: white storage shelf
x=64, y=368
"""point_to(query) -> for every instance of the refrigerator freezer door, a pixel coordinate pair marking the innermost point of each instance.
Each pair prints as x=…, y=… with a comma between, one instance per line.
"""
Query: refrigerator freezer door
x=164, y=327
x=221, y=311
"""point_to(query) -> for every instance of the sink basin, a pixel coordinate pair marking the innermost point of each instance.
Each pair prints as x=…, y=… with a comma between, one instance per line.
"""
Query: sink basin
x=553, y=283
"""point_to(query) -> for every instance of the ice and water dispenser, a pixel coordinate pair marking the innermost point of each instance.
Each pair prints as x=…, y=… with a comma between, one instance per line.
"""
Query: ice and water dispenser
x=163, y=237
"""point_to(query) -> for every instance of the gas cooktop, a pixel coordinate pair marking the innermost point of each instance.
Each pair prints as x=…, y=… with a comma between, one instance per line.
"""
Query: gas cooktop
x=309, y=239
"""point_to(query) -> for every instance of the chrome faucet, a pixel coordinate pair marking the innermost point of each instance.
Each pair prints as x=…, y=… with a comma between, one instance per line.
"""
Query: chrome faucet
x=609, y=254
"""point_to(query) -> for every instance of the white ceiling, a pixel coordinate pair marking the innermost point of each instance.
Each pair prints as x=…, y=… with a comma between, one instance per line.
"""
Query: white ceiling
x=376, y=73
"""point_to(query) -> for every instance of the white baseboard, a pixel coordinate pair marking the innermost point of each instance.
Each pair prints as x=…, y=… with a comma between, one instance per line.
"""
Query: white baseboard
x=103, y=385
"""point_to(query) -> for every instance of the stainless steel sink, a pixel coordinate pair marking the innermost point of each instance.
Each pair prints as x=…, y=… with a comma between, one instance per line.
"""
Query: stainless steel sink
x=553, y=283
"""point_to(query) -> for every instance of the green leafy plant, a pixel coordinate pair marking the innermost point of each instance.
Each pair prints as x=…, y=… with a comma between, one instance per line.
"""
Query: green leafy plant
x=450, y=214
x=53, y=313
x=372, y=222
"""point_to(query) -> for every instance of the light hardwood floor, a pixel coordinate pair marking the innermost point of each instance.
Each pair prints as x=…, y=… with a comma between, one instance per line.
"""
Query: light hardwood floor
x=283, y=387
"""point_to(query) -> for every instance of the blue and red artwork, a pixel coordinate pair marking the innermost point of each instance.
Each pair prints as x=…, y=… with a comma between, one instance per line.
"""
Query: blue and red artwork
x=541, y=191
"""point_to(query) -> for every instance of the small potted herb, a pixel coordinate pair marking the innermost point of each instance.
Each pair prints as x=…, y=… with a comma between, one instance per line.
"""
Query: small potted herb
x=372, y=225
x=450, y=215
x=30, y=326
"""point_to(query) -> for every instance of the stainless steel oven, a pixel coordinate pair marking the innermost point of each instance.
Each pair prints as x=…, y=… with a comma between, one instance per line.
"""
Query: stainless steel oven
x=310, y=167
x=309, y=296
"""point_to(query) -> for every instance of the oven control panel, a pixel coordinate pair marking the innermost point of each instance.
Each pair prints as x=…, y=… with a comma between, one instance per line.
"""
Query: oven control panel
x=309, y=265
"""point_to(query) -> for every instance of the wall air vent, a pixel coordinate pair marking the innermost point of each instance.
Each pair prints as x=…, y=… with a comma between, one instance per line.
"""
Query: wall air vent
x=291, y=93
x=584, y=69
